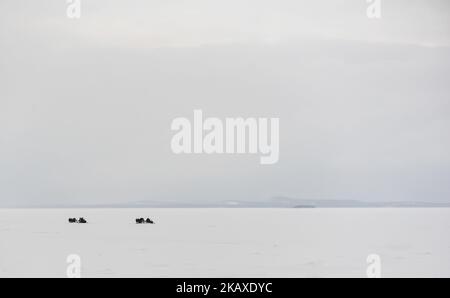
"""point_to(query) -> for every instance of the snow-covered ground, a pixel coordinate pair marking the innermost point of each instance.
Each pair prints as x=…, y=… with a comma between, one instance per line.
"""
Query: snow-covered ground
x=226, y=242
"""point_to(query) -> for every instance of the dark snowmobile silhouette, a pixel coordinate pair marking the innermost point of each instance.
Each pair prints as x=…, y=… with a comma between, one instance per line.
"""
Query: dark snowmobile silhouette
x=144, y=221
x=82, y=220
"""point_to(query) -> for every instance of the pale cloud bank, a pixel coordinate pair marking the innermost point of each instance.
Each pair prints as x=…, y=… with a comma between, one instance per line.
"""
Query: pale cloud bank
x=86, y=105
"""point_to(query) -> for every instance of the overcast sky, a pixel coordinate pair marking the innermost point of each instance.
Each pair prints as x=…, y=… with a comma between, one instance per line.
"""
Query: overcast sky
x=86, y=105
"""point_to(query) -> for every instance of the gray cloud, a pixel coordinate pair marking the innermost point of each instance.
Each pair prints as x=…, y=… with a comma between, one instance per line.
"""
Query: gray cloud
x=86, y=106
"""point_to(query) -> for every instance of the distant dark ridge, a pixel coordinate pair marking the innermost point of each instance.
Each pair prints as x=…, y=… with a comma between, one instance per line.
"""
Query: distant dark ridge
x=276, y=202
x=305, y=203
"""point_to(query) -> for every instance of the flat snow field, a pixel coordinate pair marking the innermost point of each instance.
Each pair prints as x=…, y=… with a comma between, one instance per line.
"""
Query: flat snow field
x=226, y=242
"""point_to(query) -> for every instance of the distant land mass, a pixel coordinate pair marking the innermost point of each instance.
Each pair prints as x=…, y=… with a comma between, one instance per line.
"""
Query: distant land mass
x=274, y=202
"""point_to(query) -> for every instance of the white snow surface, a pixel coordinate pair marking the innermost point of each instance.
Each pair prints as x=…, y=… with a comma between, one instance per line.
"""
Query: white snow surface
x=226, y=242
